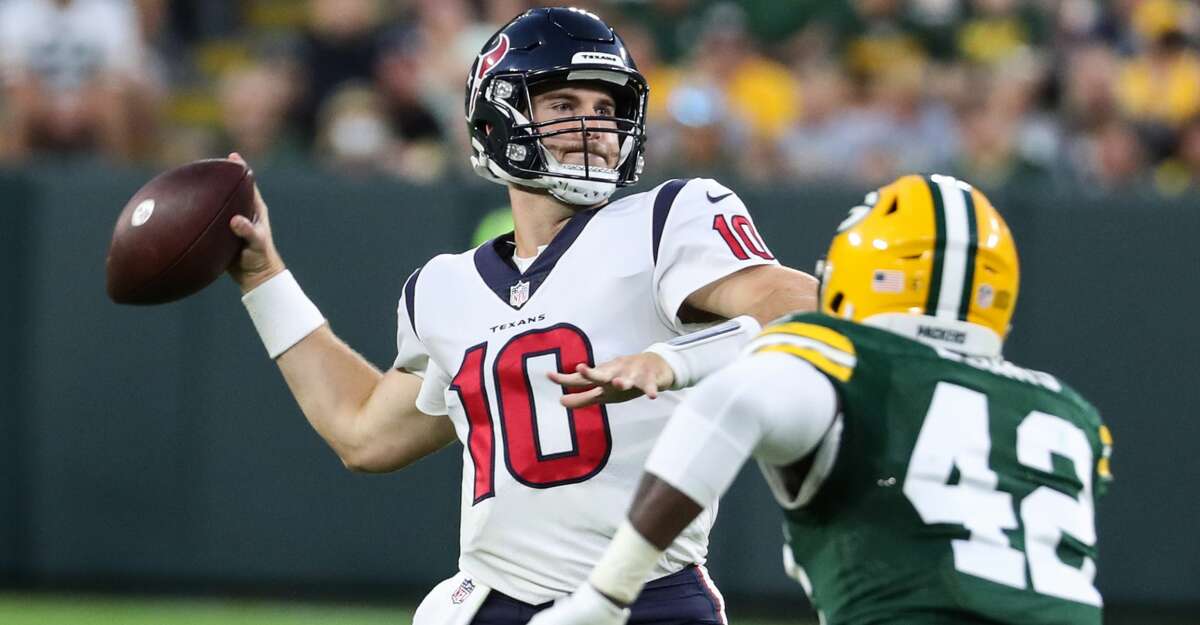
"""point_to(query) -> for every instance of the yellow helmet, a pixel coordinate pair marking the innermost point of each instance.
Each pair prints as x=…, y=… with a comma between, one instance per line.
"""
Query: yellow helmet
x=925, y=255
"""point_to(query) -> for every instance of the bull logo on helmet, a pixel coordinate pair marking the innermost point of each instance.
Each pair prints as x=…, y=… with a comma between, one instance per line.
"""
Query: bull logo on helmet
x=487, y=61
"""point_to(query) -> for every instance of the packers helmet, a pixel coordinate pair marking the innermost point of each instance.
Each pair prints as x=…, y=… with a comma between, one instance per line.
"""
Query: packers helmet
x=926, y=256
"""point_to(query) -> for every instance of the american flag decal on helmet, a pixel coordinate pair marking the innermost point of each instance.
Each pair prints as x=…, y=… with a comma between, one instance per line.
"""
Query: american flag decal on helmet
x=887, y=281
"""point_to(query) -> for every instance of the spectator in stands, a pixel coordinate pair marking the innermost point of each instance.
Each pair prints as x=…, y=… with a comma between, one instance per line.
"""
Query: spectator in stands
x=74, y=77
x=1161, y=85
x=671, y=25
x=1181, y=172
x=1089, y=90
x=400, y=86
x=1110, y=158
x=892, y=128
x=1009, y=134
x=448, y=37
x=997, y=30
x=991, y=149
x=814, y=148
x=735, y=96
x=341, y=45
x=355, y=137
x=1188, y=153
x=874, y=36
x=416, y=129
x=254, y=103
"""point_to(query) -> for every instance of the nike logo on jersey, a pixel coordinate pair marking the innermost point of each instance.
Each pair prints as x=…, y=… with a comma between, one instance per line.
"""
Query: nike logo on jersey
x=718, y=198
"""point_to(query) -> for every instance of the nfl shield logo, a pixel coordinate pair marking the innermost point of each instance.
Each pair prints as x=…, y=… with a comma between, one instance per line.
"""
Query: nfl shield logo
x=464, y=591
x=518, y=294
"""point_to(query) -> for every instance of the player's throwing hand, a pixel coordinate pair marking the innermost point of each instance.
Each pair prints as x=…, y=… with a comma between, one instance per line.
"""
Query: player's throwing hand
x=620, y=379
x=259, y=260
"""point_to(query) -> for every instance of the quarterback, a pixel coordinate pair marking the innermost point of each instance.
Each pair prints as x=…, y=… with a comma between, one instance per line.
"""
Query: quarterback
x=923, y=478
x=549, y=352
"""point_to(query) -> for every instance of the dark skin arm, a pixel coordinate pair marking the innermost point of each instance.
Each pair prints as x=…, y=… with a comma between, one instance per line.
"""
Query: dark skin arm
x=660, y=512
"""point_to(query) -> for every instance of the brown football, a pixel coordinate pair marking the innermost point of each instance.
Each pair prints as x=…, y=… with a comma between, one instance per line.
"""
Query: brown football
x=173, y=237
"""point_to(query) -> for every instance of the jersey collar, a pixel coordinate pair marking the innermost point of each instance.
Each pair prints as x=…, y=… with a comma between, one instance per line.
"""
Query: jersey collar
x=952, y=334
x=493, y=261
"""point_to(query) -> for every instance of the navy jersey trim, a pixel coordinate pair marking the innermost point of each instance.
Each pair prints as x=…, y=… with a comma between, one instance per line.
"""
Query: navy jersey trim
x=410, y=299
x=662, y=207
x=493, y=260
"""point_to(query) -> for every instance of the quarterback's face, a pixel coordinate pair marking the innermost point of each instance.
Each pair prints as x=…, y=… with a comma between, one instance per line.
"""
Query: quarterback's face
x=574, y=101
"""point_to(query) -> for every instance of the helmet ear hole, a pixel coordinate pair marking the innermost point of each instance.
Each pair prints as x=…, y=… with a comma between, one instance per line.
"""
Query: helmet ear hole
x=894, y=207
x=835, y=304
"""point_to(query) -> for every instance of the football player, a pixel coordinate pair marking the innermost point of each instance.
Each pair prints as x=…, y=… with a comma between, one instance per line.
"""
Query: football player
x=499, y=346
x=923, y=478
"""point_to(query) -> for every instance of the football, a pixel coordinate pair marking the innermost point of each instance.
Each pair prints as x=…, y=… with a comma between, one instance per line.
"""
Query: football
x=173, y=237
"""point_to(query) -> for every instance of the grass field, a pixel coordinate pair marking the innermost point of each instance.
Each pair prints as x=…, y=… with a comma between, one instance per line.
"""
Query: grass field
x=39, y=609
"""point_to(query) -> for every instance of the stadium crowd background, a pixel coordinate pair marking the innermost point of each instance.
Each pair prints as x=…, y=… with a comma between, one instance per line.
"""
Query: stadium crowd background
x=1103, y=94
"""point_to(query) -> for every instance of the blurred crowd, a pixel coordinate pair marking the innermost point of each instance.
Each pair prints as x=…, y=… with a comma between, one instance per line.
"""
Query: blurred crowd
x=1103, y=94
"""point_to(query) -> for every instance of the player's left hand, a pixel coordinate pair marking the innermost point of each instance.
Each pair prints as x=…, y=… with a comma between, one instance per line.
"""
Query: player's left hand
x=620, y=379
x=585, y=606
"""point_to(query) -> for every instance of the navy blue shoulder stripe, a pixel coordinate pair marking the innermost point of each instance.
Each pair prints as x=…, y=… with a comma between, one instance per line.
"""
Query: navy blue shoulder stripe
x=410, y=297
x=662, y=207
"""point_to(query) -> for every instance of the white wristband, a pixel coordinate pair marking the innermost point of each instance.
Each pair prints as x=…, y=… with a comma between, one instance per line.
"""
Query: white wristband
x=282, y=313
x=622, y=570
x=693, y=356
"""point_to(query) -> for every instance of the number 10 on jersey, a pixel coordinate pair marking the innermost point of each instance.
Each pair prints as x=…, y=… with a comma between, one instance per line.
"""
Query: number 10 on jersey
x=591, y=440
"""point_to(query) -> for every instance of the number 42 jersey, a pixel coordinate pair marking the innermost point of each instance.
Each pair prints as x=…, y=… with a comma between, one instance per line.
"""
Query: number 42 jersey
x=544, y=488
x=952, y=489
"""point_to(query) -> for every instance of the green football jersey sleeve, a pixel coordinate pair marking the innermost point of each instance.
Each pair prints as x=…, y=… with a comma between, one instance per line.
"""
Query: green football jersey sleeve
x=962, y=490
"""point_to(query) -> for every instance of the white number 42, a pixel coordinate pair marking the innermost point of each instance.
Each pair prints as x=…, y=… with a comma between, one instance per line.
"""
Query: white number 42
x=955, y=433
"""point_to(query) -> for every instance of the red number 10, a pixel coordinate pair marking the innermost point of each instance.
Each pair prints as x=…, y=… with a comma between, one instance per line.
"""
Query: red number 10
x=591, y=440
x=746, y=237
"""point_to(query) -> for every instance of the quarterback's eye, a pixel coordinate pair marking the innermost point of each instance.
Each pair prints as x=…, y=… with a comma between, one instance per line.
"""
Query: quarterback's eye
x=606, y=110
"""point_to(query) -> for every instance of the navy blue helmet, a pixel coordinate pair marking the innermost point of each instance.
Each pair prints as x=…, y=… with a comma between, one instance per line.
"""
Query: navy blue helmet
x=543, y=47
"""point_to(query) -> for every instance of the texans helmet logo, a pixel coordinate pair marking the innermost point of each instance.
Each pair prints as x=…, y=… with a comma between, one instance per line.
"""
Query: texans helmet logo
x=487, y=61
x=491, y=58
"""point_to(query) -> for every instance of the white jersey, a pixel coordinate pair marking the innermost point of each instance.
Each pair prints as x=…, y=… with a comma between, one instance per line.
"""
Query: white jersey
x=544, y=488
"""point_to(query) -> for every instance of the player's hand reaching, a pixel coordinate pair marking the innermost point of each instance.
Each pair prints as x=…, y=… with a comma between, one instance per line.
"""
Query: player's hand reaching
x=259, y=260
x=585, y=606
x=617, y=380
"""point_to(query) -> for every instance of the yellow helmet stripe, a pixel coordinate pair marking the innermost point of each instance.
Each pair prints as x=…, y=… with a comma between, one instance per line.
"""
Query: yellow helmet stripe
x=813, y=357
x=950, y=280
x=821, y=334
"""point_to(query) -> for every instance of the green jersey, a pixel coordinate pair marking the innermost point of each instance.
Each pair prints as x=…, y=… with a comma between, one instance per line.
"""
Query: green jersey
x=952, y=488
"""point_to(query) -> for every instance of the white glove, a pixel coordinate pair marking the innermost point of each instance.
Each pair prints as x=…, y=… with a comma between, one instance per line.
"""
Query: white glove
x=585, y=606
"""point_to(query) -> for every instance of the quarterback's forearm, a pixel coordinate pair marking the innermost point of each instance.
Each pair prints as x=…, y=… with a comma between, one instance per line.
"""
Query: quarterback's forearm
x=331, y=382
x=787, y=291
x=367, y=417
x=765, y=292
